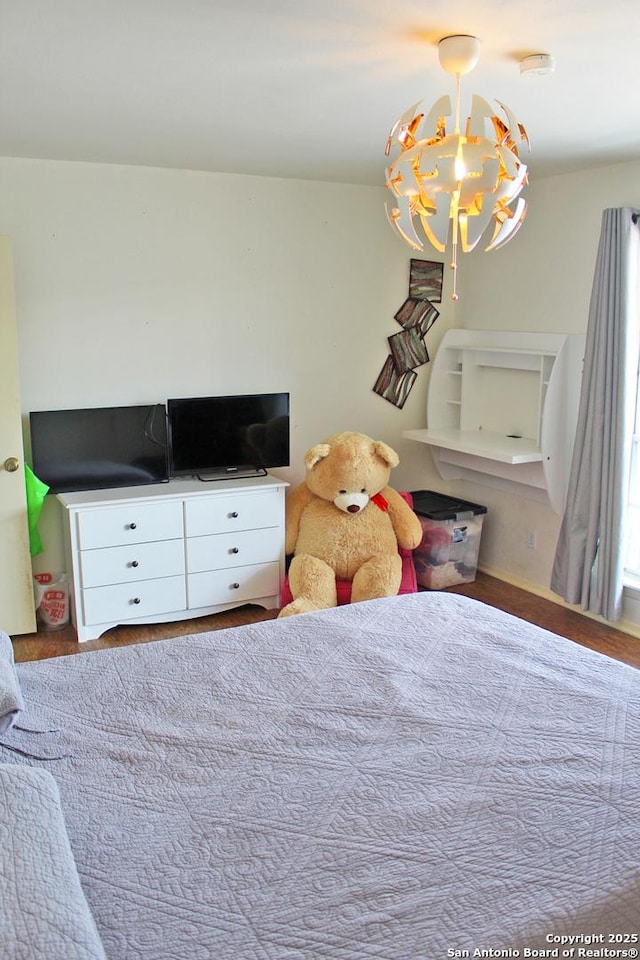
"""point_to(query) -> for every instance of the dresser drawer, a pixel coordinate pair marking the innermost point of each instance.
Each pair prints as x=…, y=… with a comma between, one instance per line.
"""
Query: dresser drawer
x=136, y=523
x=234, y=549
x=232, y=586
x=121, y=602
x=233, y=511
x=138, y=561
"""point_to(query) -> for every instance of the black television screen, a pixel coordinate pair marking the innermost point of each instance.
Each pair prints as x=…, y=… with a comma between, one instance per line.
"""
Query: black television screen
x=99, y=447
x=221, y=436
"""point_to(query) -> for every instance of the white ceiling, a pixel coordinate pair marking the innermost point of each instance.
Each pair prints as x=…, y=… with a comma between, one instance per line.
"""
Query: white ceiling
x=305, y=88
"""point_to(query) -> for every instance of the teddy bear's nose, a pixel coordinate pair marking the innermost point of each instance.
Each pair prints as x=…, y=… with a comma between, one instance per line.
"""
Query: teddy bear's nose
x=353, y=508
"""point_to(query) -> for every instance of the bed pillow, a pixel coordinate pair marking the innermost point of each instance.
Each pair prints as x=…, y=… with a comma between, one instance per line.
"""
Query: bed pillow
x=44, y=910
x=11, y=702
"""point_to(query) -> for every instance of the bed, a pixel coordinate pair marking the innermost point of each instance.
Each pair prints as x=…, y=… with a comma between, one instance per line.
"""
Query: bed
x=405, y=779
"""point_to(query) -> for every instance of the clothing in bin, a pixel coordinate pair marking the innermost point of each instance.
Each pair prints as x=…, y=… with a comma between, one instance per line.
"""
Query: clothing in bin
x=451, y=530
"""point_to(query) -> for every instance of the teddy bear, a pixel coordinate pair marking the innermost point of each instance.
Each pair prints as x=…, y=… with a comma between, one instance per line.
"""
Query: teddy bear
x=345, y=522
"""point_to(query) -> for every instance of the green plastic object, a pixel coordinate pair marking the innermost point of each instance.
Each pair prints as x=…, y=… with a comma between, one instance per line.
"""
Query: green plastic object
x=36, y=492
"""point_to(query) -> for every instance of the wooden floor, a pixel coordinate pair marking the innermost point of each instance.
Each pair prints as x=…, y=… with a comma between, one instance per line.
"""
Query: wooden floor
x=552, y=616
x=58, y=643
x=497, y=593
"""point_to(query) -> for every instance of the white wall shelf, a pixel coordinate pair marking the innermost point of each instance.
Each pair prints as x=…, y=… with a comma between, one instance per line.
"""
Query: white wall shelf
x=502, y=409
x=481, y=443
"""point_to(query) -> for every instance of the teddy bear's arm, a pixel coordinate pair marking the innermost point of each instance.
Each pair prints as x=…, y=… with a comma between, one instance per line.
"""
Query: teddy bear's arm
x=297, y=499
x=406, y=524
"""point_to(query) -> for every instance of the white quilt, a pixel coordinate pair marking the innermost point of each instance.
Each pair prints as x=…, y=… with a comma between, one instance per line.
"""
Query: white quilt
x=43, y=911
x=400, y=779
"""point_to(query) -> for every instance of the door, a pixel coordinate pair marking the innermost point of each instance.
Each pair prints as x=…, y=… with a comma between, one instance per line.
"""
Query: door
x=17, y=613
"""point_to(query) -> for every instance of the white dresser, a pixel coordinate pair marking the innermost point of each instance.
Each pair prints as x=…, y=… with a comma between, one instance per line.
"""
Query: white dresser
x=172, y=551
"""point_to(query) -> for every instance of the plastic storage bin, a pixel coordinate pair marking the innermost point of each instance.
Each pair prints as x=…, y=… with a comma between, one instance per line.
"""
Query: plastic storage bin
x=451, y=531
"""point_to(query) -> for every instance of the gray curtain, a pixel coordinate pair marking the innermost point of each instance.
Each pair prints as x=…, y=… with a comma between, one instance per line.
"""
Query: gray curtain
x=589, y=561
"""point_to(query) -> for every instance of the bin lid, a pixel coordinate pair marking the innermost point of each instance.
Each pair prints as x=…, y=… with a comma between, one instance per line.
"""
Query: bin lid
x=439, y=506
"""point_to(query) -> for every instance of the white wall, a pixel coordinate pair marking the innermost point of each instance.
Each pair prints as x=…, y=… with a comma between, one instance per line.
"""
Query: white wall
x=540, y=281
x=136, y=284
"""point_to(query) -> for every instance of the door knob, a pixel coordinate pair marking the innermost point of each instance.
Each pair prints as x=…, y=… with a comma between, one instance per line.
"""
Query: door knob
x=11, y=464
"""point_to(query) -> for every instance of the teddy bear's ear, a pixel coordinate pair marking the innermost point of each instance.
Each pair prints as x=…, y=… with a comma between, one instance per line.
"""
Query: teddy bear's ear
x=385, y=453
x=316, y=454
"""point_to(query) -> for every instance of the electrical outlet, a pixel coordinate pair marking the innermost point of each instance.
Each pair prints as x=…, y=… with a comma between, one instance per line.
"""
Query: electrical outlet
x=532, y=540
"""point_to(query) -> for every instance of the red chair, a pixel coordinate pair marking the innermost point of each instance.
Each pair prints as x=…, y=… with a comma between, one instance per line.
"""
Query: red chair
x=408, y=583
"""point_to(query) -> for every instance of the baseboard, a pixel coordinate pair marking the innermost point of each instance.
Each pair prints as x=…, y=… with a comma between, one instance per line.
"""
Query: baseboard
x=625, y=626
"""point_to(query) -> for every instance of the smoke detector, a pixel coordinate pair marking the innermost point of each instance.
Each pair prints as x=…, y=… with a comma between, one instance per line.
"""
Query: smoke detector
x=538, y=65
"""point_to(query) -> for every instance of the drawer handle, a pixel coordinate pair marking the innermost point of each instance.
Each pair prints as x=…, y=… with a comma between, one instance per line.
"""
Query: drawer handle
x=234, y=550
x=234, y=515
x=134, y=563
x=235, y=586
x=132, y=526
x=136, y=600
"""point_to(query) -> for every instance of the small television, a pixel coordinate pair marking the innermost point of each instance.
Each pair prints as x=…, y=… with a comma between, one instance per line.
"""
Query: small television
x=216, y=437
x=100, y=447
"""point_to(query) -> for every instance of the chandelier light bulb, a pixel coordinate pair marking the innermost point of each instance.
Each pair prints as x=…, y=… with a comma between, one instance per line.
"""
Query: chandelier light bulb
x=460, y=169
x=450, y=187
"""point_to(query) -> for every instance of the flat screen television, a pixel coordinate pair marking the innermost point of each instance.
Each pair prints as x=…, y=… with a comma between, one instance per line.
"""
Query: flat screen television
x=215, y=437
x=100, y=447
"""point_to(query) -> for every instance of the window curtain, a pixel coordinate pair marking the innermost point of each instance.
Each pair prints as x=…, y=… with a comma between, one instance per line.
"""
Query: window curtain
x=589, y=562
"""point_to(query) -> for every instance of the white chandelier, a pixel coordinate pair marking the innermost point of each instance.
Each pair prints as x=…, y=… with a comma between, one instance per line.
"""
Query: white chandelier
x=454, y=185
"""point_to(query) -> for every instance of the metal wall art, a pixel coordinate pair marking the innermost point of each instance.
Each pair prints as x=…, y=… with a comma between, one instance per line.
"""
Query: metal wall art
x=416, y=316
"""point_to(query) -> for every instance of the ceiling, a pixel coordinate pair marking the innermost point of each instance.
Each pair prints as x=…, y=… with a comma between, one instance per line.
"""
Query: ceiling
x=305, y=88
